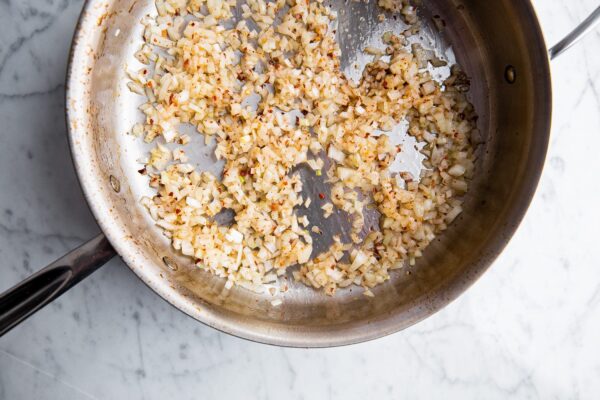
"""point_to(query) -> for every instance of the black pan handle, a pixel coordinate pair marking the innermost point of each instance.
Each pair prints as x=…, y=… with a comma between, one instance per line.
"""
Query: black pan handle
x=27, y=297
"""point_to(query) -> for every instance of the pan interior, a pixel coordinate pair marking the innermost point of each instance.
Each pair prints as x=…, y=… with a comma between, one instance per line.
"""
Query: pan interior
x=513, y=118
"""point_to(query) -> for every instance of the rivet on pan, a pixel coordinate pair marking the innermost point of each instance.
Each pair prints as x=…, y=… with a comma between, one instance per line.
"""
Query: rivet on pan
x=170, y=263
x=510, y=74
x=114, y=183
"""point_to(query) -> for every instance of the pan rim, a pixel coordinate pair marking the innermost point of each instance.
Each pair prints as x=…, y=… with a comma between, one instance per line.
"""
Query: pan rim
x=263, y=333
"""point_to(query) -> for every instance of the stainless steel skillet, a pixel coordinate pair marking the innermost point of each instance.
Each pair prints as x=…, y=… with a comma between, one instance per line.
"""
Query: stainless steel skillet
x=500, y=46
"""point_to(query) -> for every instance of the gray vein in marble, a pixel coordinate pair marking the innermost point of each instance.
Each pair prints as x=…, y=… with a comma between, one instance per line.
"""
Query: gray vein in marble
x=291, y=370
x=22, y=40
x=59, y=88
x=28, y=234
x=47, y=373
x=141, y=371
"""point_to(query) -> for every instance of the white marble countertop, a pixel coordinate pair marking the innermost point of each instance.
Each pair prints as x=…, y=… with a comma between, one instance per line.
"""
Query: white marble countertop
x=528, y=329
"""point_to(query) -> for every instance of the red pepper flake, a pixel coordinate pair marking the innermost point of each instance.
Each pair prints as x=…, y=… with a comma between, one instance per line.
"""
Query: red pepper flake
x=321, y=196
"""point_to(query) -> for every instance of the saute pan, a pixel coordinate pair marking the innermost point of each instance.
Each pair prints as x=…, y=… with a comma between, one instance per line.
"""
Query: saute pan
x=500, y=46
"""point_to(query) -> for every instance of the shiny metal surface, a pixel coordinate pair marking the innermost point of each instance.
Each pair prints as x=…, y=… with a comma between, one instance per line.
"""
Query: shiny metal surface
x=487, y=37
